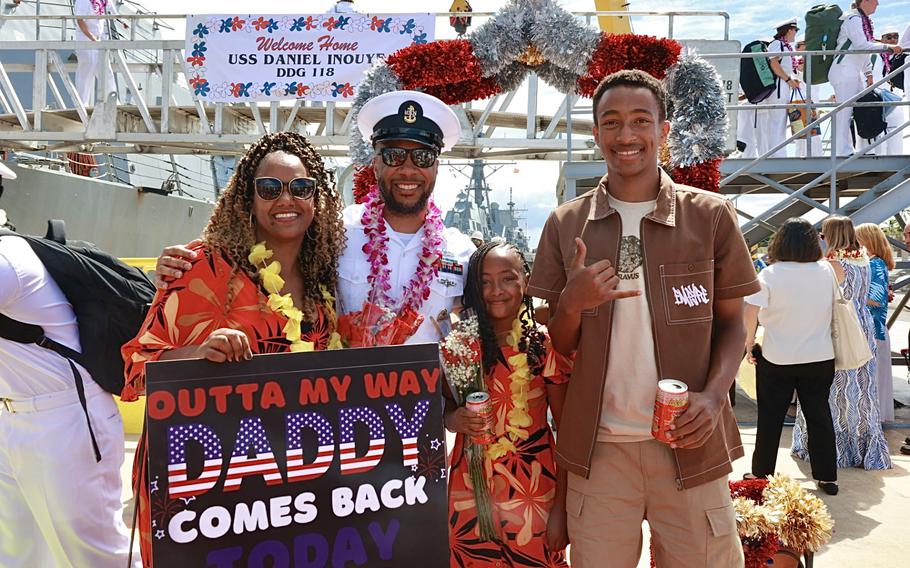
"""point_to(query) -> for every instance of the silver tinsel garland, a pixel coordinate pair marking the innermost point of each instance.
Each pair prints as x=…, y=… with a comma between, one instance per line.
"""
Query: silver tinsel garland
x=502, y=39
x=378, y=81
x=698, y=126
x=564, y=42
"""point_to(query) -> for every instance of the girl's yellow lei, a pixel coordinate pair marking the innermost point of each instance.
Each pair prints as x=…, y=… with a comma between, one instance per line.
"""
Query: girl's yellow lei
x=517, y=420
x=270, y=276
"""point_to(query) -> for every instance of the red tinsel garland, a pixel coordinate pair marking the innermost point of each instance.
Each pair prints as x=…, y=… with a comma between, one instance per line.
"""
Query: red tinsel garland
x=628, y=51
x=364, y=179
x=751, y=489
x=705, y=175
x=438, y=63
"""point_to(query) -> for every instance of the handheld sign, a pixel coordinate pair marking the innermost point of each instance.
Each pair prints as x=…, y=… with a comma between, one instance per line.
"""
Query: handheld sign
x=322, y=459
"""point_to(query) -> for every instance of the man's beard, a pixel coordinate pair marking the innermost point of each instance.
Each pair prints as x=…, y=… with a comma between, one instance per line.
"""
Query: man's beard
x=395, y=206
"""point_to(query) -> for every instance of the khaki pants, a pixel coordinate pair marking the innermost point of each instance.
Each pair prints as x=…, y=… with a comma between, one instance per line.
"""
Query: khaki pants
x=636, y=481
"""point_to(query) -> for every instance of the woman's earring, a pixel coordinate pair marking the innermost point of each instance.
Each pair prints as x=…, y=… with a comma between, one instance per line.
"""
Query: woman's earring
x=252, y=225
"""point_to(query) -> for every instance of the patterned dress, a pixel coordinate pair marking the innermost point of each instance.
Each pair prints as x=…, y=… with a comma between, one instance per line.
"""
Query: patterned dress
x=522, y=484
x=185, y=314
x=854, y=394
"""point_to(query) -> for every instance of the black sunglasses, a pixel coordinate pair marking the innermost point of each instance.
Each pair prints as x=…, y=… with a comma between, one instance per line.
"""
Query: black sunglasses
x=269, y=188
x=889, y=36
x=420, y=157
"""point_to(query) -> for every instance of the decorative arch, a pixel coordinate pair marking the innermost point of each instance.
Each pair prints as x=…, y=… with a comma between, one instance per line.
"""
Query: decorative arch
x=540, y=36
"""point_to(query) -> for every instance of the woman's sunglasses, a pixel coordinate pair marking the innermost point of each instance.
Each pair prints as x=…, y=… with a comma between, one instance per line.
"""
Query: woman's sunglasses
x=420, y=157
x=269, y=188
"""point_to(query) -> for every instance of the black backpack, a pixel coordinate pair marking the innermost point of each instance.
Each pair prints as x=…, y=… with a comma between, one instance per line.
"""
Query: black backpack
x=755, y=76
x=109, y=298
x=869, y=122
x=896, y=61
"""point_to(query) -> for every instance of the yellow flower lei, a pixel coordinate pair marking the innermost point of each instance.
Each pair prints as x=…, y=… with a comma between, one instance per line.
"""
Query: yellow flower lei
x=518, y=419
x=270, y=275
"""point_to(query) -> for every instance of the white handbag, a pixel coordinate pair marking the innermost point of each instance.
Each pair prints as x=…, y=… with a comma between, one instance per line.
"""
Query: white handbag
x=851, y=348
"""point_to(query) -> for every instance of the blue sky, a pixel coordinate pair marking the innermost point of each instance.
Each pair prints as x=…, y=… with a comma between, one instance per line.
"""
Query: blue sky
x=534, y=182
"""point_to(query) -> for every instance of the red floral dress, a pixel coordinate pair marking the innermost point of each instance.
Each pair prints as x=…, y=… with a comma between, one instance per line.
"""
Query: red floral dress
x=522, y=484
x=185, y=314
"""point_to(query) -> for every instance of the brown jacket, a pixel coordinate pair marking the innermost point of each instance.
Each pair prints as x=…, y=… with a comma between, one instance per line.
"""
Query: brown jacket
x=691, y=237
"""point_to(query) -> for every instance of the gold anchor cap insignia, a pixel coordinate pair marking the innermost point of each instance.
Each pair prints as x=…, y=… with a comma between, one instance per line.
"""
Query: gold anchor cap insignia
x=410, y=114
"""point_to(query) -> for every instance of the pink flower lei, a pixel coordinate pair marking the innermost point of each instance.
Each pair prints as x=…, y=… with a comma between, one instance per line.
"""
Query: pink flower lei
x=377, y=249
x=869, y=32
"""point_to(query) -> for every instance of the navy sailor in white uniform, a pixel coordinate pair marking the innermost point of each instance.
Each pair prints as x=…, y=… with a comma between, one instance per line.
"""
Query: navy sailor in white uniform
x=408, y=130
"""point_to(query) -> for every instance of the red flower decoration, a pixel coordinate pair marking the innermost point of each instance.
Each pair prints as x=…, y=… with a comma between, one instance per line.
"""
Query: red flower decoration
x=331, y=23
x=311, y=23
x=346, y=90
x=302, y=89
x=261, y=23
x=376, y=23
x=237, y=24
x=196, y=60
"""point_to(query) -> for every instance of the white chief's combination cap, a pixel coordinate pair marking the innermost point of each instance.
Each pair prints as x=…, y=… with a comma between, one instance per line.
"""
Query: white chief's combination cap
x=791, y=23
x=409, y=115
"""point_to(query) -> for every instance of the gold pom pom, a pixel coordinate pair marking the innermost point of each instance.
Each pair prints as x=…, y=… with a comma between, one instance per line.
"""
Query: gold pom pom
x=806, y=523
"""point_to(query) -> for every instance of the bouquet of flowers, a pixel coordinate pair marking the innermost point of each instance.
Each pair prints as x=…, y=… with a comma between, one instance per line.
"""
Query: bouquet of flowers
x=461, y=359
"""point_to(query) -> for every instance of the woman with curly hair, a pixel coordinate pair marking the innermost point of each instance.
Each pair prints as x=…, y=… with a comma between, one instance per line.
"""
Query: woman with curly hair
x=525, y=377
x=260, y=279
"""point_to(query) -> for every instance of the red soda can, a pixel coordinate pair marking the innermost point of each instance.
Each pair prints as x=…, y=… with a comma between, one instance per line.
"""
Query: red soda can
x=672, y=400
x=481, y=404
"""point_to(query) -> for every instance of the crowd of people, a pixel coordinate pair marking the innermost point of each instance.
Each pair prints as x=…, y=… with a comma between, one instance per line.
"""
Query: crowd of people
x=761, y=129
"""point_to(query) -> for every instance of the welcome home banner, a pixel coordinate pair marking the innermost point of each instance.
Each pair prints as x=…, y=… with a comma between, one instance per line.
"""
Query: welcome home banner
x=331, y=458
x=317, y=57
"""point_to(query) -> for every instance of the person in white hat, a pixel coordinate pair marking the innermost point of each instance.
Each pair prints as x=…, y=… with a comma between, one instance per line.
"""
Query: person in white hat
x=774, y=128
x=408, y=130
x=477, y=238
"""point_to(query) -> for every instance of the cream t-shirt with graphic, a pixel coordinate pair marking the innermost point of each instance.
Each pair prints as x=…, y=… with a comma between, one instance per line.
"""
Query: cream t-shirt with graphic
x=631, y=383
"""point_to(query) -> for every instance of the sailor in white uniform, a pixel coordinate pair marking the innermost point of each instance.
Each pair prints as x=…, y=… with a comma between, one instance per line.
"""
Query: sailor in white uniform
x=894, y=116
x=93, y=62
x=848, y=71
x=776, y=126
x=59, y=507
x=408, y=130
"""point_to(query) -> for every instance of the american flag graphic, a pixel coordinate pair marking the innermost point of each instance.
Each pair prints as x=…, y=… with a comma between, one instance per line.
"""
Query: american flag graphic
x=409, y=430
x=297, y=470
x=252, y=435
x=177, y=437
x=350, y=463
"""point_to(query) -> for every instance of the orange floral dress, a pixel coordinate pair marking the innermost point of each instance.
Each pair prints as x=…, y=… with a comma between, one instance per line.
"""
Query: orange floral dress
x=185, y=314
x=522, y=484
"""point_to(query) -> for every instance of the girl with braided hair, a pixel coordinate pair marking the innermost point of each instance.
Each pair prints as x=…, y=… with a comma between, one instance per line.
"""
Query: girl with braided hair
x=259, y=281
x=525, y=377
